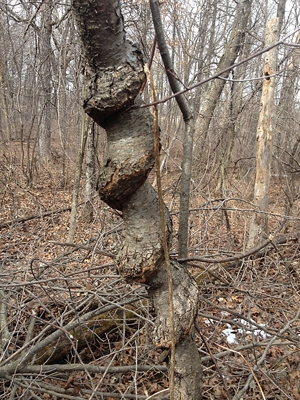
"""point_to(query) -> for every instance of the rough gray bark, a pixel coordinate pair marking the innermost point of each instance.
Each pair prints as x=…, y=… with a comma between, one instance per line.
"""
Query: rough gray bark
x=114, y=68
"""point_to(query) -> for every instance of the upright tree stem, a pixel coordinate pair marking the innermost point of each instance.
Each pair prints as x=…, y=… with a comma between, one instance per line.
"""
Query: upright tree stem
x=187, y=114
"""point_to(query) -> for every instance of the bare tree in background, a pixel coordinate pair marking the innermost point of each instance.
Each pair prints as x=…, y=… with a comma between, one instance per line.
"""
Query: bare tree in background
x=44, y=137
x=231, y=52
x=6, y=133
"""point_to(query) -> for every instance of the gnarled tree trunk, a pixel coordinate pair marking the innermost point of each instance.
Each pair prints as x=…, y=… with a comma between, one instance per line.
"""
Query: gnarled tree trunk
x=114, y=71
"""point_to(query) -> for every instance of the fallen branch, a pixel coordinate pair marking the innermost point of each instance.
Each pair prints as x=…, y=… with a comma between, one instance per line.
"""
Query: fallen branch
x=279, y=240
x=121, y=369
x=82, y=247
x=95, y=327
x=61, y=393
x=23, y=361
x=31, y=217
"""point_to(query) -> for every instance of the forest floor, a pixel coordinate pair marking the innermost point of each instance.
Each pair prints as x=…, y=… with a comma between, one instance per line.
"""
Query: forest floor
x=248, y=328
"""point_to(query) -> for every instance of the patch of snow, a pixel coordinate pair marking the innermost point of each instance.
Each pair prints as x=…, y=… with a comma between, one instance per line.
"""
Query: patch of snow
x=230, y=333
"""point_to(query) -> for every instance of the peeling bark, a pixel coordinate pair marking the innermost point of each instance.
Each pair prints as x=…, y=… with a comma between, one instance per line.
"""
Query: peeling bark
x=259, y=223
x=114, y=70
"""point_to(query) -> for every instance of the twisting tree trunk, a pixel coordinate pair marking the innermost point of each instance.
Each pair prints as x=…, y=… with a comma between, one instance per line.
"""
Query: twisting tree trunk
x=114, y=71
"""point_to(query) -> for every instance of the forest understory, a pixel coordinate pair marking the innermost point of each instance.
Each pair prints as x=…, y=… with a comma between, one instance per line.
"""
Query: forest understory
x=84, y=333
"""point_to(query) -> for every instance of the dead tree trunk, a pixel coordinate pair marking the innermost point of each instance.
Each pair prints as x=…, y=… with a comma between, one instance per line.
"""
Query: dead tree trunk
x=115, y=72
x=259, y=224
